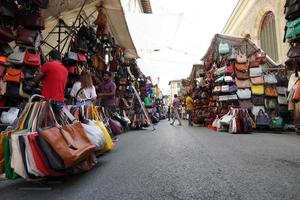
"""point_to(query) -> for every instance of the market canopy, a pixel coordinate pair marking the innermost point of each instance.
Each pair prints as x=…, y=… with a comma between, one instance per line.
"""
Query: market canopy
x=67, y=10
x=241, y=43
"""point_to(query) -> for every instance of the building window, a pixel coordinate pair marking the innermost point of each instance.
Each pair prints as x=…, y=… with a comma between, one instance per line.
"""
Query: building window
x=268, y=39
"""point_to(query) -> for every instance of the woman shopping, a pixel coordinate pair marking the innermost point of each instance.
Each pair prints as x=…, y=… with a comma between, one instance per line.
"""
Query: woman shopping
x=84, y=90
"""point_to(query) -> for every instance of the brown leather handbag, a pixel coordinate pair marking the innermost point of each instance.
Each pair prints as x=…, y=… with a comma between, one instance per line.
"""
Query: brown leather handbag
x=26, y=36
x=6, y=34
x=241, y=74
x=241, y=66
x=271, y=91
x=101, y=19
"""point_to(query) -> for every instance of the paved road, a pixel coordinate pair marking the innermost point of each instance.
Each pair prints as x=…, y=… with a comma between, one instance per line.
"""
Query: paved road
x=184, y=163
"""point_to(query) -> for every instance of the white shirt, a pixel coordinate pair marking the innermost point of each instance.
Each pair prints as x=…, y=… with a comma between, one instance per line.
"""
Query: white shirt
x=84, y=94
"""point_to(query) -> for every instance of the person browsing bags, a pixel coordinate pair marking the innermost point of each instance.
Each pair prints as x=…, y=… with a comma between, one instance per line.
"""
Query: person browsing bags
x=54, y=77
x=189, y=107
x=176, y=103
x=84, y=91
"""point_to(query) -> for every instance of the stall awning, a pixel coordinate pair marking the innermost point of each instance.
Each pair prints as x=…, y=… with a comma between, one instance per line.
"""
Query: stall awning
x=240, y=43
x=68, y=10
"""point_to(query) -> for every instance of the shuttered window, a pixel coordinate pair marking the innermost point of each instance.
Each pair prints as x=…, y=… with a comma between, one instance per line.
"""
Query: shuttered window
x=268, y=39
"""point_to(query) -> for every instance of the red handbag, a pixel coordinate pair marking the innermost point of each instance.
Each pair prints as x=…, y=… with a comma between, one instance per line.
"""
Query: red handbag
x=3, y=60
x=81, y=57
x=32, y=58
x=230, y=70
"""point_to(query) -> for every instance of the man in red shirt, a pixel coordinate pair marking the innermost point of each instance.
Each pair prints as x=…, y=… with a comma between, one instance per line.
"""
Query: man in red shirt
x=54, y=76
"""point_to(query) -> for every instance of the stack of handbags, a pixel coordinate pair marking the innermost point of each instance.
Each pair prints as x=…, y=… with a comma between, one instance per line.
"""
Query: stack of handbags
x=282, y=84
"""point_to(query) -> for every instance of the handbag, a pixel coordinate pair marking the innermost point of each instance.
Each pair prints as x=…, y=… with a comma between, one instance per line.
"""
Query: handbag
x=31, y=21
x=6, y=34
x=254, y=72
x=271, y=103
x=282, y=100
x=258, y=100
x=293, y=60
x=116, y=127
x=271, y=91
x=241, y=74
x=254, y=64
x=221, y=71
x=230, y=70
x=277, y=123
x=8, y=9
x=241, y=66
x=32, y=58
x=282, y=80
x=241, y=58
x=246, y=104
x=262, y=119
x=232, y=88
x=17, y=57
x=291, y=9
x=5, y=49
x=296, y=95
x=217, y=89
x=94, y=134
x=258, y=89
x=224, y=48
x=225, y=120
x=257, y=80
x=261, y=57
x=228, y=79
x=225, y=88
x=98, y=63
x=243, y=93
x=281, y=90
x=26, y=36
x=220, y=79
x=292, y=29
x=72, y=56
x=270, y=79
x=292, y=81
x=14, y=75
x=101, y=19
x=243, y=83
x=81, y=57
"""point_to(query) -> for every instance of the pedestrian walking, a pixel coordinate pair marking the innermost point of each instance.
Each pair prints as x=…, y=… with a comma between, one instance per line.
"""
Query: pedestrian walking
x=189, y=107
x=169, y=113
x=176, y=103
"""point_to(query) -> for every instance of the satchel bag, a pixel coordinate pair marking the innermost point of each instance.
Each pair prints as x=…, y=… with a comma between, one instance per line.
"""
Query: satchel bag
x=271, y=91
x=270, y=79
x=6, y=34
x=243, y=83
x=241, y=66
x=291, y=9
x=243, y=93
x=32, y=58
x=14, y=75
x=258, y=100
x=292, y=29
x=293, y=60
x=282, y=90
x=282, y=100
x=17, y=57
x=241, y=75
x=254, y=72
x=241, y=58
x=262, y=119
x=257, y=80
x=258, y=89
x=26, y=36
x=271, y=103
x=221, y=71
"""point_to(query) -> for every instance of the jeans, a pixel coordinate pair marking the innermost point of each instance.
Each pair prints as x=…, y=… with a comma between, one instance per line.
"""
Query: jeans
x=176, y=116
x=84, y=102
x=190, y=112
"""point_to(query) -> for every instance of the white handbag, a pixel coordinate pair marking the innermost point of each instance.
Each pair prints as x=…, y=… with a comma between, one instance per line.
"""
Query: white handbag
x=228, y=79
x=282, y=100
x=270, y=79
x=94, y=134
x=244, y=93
x=225, y=120
x=225, y=88
x=256, y=109
x=282, y=90
x=254, y=72
x=10, y=116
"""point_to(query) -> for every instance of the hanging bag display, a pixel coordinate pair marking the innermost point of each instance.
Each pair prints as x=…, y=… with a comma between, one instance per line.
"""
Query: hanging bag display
x=14, y=75
x=243, y=83
x=32, y=58
x=258, y=89
x=271, y=91
x=257, y=80
x=254, y=72
x=270, y=78
x=293, y=57
x=244, y=93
